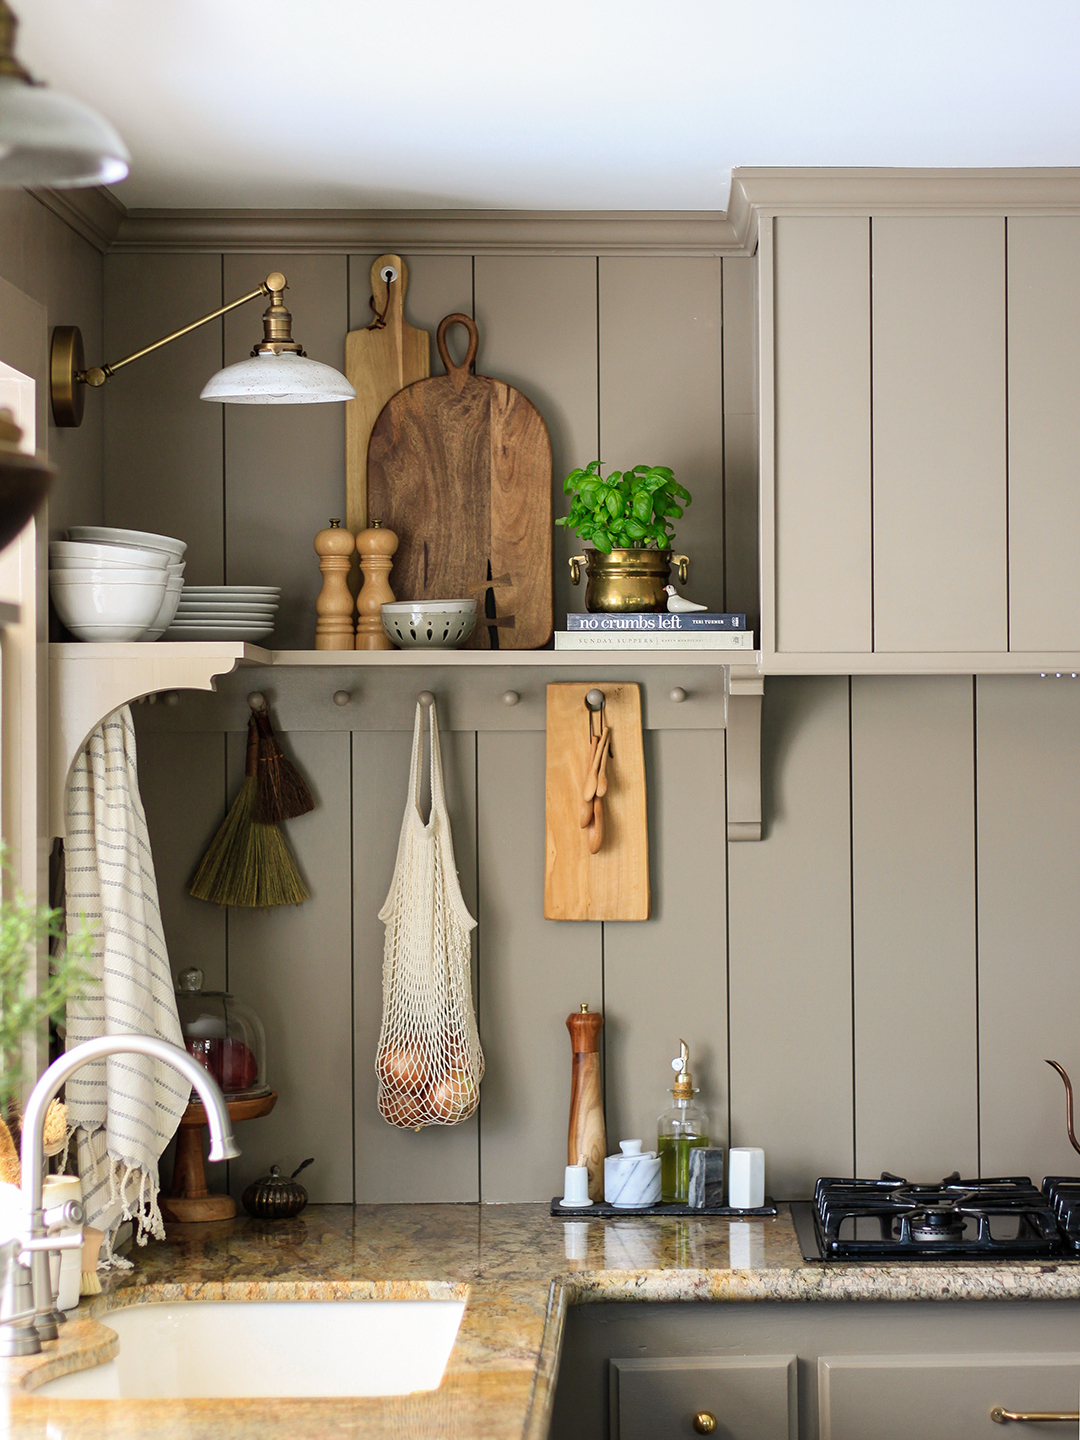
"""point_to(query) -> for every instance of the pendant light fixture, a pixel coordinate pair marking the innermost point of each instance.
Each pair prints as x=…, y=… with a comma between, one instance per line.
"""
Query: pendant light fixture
x=46, y=138
x=277, y=373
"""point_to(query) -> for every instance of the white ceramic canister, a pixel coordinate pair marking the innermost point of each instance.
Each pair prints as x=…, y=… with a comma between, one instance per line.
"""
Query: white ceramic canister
x=746, y=1177
x=66, y=1265
x=632, y=1179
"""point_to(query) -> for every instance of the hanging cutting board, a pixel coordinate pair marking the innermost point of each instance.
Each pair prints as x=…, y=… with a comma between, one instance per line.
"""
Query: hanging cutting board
x=379, y=362
x=459, y=467
x=613, y=884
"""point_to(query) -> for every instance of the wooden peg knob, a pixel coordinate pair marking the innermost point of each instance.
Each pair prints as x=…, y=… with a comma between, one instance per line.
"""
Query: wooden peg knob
x=678, y=695
x=257, y=700
x=510, y=697
x=341, y=697
x=376, y=548
x=426, y=699
x=334, y=607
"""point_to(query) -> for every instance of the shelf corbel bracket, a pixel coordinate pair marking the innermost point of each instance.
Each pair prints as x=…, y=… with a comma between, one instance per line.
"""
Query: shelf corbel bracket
x=744, y=689
x=88, y=682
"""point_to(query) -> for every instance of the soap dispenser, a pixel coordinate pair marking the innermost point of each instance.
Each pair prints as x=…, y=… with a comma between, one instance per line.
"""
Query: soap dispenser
x=681, y=1128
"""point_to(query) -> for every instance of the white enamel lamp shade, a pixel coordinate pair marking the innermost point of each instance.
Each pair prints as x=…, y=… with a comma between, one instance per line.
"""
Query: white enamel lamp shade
x=286, y=379
x=50, y=139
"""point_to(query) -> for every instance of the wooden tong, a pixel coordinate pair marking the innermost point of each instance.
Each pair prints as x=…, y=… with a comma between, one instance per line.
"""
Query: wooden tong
x=592, y=809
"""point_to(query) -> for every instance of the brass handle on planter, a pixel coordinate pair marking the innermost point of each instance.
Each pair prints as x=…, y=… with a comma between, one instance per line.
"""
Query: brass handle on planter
x=683, y=562
x=1001, y=1416
x=576, y=561
x=704, y=1422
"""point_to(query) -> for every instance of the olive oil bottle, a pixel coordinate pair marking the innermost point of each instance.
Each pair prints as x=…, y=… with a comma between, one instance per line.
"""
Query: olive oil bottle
x=681, y=1128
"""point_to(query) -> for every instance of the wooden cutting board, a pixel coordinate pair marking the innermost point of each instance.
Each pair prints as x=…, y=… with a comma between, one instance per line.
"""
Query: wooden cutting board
x=613, y=884
x=378, y=363
x=459, y=467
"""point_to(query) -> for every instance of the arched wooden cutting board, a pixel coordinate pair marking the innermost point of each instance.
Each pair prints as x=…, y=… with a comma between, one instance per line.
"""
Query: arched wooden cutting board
x=459, y=467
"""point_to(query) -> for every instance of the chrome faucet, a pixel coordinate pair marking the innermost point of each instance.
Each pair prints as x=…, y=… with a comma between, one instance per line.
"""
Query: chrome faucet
x=26, y=1297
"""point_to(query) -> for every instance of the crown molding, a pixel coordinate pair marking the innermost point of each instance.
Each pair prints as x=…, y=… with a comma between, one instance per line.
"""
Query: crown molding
x=757, y=192
x=94, y=213
x=418, y=232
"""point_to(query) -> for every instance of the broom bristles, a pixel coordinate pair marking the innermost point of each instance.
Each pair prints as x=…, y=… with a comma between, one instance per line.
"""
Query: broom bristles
x=277, y=880
x=248, y=863
x=283, y=792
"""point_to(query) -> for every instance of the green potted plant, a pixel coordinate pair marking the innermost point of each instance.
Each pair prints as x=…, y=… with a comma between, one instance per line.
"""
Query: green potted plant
x=627, y=517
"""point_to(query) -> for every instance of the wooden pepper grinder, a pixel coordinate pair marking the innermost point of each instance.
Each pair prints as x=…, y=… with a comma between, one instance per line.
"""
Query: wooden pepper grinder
x=333, y=629
x=376, y=548
x=587, y=1135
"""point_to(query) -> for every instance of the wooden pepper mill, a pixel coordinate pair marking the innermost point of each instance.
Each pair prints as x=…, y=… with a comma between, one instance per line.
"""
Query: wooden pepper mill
x=587, y=1135
x=376, y=548
x=333, y=628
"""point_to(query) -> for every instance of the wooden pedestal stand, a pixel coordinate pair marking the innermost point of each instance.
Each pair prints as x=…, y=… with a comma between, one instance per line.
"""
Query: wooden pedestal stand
x=190, y=1201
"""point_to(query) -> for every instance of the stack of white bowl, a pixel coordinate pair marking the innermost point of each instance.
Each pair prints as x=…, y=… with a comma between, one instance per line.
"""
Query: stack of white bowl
x=109, y=584
x=226, y=612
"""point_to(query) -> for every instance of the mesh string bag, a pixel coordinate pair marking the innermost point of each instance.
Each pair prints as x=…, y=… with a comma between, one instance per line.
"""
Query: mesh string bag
x=429, y=1060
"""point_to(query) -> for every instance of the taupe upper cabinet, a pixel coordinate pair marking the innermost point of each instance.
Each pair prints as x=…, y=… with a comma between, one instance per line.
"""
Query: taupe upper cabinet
x=919, y=344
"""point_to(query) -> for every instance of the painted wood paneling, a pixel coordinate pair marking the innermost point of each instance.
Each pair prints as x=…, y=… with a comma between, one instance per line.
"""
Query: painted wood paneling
x=440, y=1163
x=533, y=973
x=293, y=965
x=537, y=321
x=739, y=292
x=163, y=445
x=940, y=543
x=913, y=912
x=285, y=464
x=660, y=393
x=789, y=938
x=822, y=398
x=183, y=784
x=653, y=967
x=1044, y=433
x=1029, y=918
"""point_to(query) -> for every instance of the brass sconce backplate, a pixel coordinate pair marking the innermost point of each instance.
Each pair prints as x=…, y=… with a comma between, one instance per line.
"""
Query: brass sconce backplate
x=66, y=361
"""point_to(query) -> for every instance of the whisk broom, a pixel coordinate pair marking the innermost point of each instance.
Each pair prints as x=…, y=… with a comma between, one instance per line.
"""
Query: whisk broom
x=282, y=792
x=248, y=862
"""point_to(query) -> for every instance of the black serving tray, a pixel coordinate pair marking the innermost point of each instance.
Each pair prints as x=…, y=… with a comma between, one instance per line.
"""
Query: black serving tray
x=601, y=1210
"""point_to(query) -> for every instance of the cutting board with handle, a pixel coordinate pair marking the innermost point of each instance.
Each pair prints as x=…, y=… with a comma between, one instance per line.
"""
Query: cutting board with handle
x=613, y=883
x=459, y=467
x=380, y=360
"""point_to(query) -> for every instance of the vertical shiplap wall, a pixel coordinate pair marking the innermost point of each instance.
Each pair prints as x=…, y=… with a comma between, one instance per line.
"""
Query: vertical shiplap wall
x=872, y=985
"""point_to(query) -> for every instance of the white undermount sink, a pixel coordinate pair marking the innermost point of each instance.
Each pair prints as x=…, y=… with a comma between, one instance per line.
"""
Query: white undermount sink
x=224, y=1349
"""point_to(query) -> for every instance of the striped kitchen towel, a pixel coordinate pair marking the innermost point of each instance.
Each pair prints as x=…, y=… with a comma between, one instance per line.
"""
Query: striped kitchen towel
x=125, y=1109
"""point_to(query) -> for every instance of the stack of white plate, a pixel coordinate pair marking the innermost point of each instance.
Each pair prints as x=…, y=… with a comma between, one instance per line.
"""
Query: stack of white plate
x=111, y=585
x=226, y=612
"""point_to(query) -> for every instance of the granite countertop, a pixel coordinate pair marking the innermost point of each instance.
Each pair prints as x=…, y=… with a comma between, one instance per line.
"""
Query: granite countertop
x=517, y=1267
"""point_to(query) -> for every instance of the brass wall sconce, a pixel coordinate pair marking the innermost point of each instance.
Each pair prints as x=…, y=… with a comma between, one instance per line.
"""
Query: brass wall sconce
x=278, y=371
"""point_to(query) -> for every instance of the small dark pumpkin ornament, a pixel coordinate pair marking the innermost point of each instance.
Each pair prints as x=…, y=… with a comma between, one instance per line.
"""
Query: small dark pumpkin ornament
x=274, y=1197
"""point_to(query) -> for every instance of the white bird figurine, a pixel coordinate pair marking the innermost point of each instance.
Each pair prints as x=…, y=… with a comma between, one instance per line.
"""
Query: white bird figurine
x=677, y=605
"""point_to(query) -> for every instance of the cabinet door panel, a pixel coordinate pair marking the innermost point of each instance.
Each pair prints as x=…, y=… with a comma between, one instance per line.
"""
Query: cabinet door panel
x=940, y=542
x=897, y=1397
x=1044, y=433
x=753, y=1397
x=822, y=326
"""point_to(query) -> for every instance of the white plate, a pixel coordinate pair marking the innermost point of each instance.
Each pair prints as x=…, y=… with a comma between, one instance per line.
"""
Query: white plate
x=226, y=592
x=219, y=632
x=216, y=607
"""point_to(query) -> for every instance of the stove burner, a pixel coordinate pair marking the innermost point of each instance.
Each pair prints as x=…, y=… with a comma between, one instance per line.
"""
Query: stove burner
x=1006, y=1217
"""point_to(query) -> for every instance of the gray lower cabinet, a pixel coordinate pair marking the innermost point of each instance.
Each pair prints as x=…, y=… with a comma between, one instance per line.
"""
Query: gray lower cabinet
x=898, y=1397
x=866, y=1370
x=749, y=1397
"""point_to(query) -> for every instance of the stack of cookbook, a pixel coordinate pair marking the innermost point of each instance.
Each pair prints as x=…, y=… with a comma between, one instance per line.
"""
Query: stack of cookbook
x=686, y=630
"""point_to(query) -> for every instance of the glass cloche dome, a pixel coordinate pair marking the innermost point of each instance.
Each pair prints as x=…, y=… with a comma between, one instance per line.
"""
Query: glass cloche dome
x=224, y=1035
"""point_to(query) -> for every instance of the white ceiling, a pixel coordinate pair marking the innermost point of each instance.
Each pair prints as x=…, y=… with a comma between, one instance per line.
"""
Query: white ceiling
x=561, y=104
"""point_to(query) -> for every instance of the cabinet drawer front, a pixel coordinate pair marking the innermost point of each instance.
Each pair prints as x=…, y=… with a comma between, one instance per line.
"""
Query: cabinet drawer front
x=753, y=1397
x=940, y=1397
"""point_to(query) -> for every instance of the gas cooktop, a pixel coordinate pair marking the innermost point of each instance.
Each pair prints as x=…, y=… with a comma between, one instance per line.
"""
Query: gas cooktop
x=995, y=1219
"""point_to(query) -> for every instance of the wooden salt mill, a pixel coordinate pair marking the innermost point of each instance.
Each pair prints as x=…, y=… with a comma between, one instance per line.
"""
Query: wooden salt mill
x=587, y=1135
x=334, y=607
x=376, y=548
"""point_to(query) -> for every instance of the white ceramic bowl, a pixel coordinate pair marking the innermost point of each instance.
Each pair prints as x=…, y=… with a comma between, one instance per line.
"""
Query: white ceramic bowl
x=66, y=553
x=92, y=602
x=109, y=535
x=174, y=588
x=429, y=624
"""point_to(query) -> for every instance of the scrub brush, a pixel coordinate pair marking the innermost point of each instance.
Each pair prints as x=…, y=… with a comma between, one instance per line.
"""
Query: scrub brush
x=89, y=1284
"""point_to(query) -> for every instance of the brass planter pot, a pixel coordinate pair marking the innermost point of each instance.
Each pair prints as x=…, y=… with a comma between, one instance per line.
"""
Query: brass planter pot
x=626, y=581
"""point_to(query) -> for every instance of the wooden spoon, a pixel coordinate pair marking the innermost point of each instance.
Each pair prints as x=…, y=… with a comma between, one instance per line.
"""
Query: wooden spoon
x=596, y=829
x=601, y=776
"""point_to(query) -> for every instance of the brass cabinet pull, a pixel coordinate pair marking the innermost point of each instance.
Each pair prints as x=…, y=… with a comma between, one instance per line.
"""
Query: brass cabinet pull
x=1001, y=1416
x=704, y=1422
